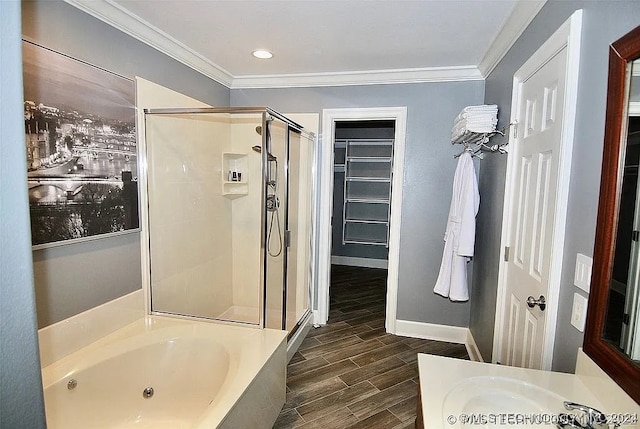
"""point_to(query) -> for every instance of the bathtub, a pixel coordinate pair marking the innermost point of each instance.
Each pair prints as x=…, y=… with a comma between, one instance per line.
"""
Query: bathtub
x=162, y=373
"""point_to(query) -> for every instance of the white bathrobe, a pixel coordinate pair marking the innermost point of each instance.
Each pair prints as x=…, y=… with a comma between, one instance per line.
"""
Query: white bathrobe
x=460, y=234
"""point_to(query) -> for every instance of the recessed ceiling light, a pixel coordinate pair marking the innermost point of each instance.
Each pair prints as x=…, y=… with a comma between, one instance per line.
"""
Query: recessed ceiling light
x=262, y=54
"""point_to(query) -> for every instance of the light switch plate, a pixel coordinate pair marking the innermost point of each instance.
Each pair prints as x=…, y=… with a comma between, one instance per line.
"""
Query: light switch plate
x=579, y=312
x=582, y=277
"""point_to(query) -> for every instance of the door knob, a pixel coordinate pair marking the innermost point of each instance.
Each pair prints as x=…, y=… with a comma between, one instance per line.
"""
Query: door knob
x=540, y=302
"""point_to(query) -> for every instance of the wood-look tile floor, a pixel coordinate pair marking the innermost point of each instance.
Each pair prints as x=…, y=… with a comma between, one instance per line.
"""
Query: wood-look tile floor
x=350, y=374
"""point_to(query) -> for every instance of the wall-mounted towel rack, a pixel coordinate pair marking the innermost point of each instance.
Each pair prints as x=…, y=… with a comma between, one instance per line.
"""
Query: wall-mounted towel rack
x=474, y=152
x=480, y=141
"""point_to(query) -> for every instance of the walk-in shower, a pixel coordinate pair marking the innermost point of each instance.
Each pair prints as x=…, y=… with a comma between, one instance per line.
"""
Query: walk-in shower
x=229, y=214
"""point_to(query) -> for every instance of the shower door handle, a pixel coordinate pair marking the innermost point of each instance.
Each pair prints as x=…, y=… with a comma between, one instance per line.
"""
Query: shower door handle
x=287, y=239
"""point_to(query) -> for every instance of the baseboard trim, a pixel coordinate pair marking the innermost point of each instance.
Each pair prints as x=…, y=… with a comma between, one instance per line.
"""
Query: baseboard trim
x=472, y=348
x=359, y=262
x=431, y=331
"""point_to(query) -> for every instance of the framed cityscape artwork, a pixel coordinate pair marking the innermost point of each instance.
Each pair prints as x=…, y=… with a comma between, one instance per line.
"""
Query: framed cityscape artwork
x=80, y=139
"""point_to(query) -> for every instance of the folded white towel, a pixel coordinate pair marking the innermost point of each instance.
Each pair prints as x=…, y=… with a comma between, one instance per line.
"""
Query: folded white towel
x=475, y=126
x=474, y=119
x=481, y=108
x=478, y=110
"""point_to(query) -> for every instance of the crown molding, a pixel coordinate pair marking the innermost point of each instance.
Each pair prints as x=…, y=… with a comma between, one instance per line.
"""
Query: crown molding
x=521, y=16
x=114, y=15
x=369, y=77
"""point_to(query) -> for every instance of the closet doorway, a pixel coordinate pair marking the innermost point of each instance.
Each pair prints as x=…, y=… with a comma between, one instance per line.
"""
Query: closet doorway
x=361, y=173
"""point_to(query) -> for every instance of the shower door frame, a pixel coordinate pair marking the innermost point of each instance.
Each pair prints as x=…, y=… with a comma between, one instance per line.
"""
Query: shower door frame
x=286, y=237
x=266, y=112
x=291, y=126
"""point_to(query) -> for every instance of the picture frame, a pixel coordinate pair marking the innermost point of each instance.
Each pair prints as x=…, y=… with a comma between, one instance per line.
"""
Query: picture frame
x=82, y=152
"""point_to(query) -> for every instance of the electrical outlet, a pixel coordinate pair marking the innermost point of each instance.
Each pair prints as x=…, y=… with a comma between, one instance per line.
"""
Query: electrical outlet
x=579, y=312
x=582, y=276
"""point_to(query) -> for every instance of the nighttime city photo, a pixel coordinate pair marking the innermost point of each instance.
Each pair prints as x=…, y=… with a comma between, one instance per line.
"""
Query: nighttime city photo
x=80, y=140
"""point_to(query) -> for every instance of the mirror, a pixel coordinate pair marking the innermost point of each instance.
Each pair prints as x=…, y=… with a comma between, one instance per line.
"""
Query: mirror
x=621, y=323
x=612, y=336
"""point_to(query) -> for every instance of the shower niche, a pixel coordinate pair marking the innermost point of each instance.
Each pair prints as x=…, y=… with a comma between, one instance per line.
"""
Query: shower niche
x=229, y=218
x=235, y=175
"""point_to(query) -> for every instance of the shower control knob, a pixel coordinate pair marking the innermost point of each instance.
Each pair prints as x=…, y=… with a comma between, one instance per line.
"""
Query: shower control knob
x=540, y=302
x=272, y=203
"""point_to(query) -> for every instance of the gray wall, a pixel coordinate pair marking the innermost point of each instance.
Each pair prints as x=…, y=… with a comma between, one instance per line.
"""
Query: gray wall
x=604, y=22
x=21, y=402
x=428, y=175
x=72, y=278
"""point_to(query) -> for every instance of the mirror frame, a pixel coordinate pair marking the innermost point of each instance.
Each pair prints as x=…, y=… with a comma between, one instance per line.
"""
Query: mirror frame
x=616, y=364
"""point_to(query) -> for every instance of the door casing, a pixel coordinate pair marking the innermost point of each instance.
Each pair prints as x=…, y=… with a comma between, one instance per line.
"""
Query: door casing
x=567, y=36
x=329, y=118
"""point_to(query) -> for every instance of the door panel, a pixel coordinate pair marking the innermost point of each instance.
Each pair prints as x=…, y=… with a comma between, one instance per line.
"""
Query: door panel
x=540, y=111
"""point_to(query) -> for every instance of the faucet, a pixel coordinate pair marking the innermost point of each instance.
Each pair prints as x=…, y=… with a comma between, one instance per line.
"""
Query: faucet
x=569, y=421
x=594, y=418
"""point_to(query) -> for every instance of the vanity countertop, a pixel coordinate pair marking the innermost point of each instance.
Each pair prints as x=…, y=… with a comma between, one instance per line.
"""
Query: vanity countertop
x=455, y=391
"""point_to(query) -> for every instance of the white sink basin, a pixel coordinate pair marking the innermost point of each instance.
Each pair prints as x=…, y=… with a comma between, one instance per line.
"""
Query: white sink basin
x=500, y=395
x=499, y=402
x=461, y=394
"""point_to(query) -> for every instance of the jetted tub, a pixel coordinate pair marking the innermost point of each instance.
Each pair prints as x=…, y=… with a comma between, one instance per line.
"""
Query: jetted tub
x=163, y=373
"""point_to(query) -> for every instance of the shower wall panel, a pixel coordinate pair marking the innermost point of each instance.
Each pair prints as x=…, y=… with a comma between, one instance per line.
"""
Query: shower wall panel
x=245, y=220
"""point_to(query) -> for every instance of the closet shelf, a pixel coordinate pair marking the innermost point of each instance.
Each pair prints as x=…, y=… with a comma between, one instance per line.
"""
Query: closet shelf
x=364, y=241
x=367, y=200
x=365, y=142
x=368, y=179
x=367, y=191
x=370, y=159
x=373, y=221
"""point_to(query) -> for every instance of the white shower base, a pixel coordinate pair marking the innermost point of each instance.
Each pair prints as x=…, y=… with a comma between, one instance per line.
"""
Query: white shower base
x=242, y=314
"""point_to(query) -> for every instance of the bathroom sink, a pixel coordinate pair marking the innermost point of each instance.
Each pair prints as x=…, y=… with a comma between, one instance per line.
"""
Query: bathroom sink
x=456, y=393
x=499, y=402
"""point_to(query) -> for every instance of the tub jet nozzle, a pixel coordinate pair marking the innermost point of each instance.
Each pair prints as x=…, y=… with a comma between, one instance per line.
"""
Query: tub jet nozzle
x=147, y=393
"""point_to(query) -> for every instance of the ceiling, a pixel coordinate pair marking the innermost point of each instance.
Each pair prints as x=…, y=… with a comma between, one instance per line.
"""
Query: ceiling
x=323, y=42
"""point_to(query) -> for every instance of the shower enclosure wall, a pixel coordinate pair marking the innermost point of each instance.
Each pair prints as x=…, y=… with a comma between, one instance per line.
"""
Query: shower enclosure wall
x=229, y=215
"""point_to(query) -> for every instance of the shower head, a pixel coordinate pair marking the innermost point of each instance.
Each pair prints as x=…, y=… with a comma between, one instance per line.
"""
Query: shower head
x=259, y=150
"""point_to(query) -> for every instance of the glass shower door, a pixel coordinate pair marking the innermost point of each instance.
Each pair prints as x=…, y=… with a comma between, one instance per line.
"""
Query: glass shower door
x=288, y=226
x=275, y=191
x=299, y=226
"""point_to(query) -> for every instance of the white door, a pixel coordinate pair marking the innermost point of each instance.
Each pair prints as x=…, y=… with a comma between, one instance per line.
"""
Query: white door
x=533, y=209
x=535, y=206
